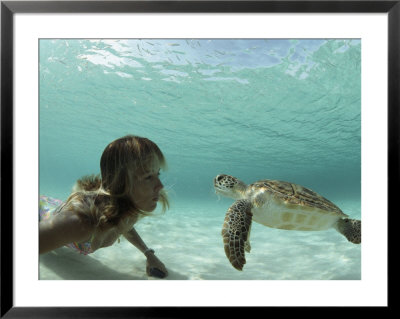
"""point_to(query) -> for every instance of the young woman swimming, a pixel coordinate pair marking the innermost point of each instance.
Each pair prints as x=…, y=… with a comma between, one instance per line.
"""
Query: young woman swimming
x=99, y=210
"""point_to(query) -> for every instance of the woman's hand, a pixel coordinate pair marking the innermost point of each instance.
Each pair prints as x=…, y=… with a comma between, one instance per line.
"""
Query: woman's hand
x=154, y=267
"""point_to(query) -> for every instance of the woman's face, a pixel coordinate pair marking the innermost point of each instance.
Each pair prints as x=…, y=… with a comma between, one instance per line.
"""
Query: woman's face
x=147, y=187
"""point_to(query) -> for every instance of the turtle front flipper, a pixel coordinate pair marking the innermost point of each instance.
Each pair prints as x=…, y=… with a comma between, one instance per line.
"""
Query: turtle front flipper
x=236, y=232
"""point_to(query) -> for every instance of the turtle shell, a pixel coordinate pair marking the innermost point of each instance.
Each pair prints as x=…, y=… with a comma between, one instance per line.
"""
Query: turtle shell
x=296, y=195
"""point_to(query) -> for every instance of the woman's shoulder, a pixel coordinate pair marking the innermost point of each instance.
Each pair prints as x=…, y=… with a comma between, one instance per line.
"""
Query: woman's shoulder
x=87, y=183
x=88, y=198
x=86, y=205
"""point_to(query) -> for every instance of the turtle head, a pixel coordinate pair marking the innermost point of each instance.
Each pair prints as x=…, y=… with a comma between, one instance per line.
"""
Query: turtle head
x=229, y=186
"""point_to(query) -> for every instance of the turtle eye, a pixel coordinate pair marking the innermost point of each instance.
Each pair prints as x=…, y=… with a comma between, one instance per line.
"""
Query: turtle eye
x=219, y=177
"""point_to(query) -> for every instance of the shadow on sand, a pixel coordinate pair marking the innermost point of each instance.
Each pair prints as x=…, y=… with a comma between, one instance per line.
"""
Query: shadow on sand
x=69, y=265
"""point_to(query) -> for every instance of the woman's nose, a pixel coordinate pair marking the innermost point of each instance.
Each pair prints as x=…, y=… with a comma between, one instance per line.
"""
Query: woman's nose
x=159, y=185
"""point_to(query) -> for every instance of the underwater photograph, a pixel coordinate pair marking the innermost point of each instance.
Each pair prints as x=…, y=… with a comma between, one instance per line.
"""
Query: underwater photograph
x=199, y=159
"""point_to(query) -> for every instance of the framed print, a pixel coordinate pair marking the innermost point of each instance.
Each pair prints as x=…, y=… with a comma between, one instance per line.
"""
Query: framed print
x=268, y=130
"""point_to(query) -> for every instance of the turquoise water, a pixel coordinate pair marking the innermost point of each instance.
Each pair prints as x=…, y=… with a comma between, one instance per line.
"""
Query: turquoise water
x=279, y=109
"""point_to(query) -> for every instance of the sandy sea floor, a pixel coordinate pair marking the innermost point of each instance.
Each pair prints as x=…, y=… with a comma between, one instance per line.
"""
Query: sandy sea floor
x=187, y=240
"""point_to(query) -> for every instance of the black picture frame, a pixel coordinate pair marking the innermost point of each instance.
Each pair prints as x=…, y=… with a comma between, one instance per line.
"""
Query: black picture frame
x=9, y=8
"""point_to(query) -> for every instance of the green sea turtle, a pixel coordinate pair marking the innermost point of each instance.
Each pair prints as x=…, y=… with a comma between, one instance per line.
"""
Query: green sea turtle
x=280, y=205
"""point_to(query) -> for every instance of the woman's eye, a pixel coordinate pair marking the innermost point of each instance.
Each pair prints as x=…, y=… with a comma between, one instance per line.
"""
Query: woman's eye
x=152, y=175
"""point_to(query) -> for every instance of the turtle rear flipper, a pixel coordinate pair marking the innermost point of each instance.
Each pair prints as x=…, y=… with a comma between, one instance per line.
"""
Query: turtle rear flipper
x=349, y=228
x=236, y=231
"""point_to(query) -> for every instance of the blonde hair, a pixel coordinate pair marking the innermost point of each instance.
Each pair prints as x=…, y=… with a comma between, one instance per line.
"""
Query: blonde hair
x=120, y=162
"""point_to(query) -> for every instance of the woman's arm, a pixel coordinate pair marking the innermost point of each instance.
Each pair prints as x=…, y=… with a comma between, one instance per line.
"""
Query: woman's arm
x=62, y=229
x=152, y=261
x=133, y=237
